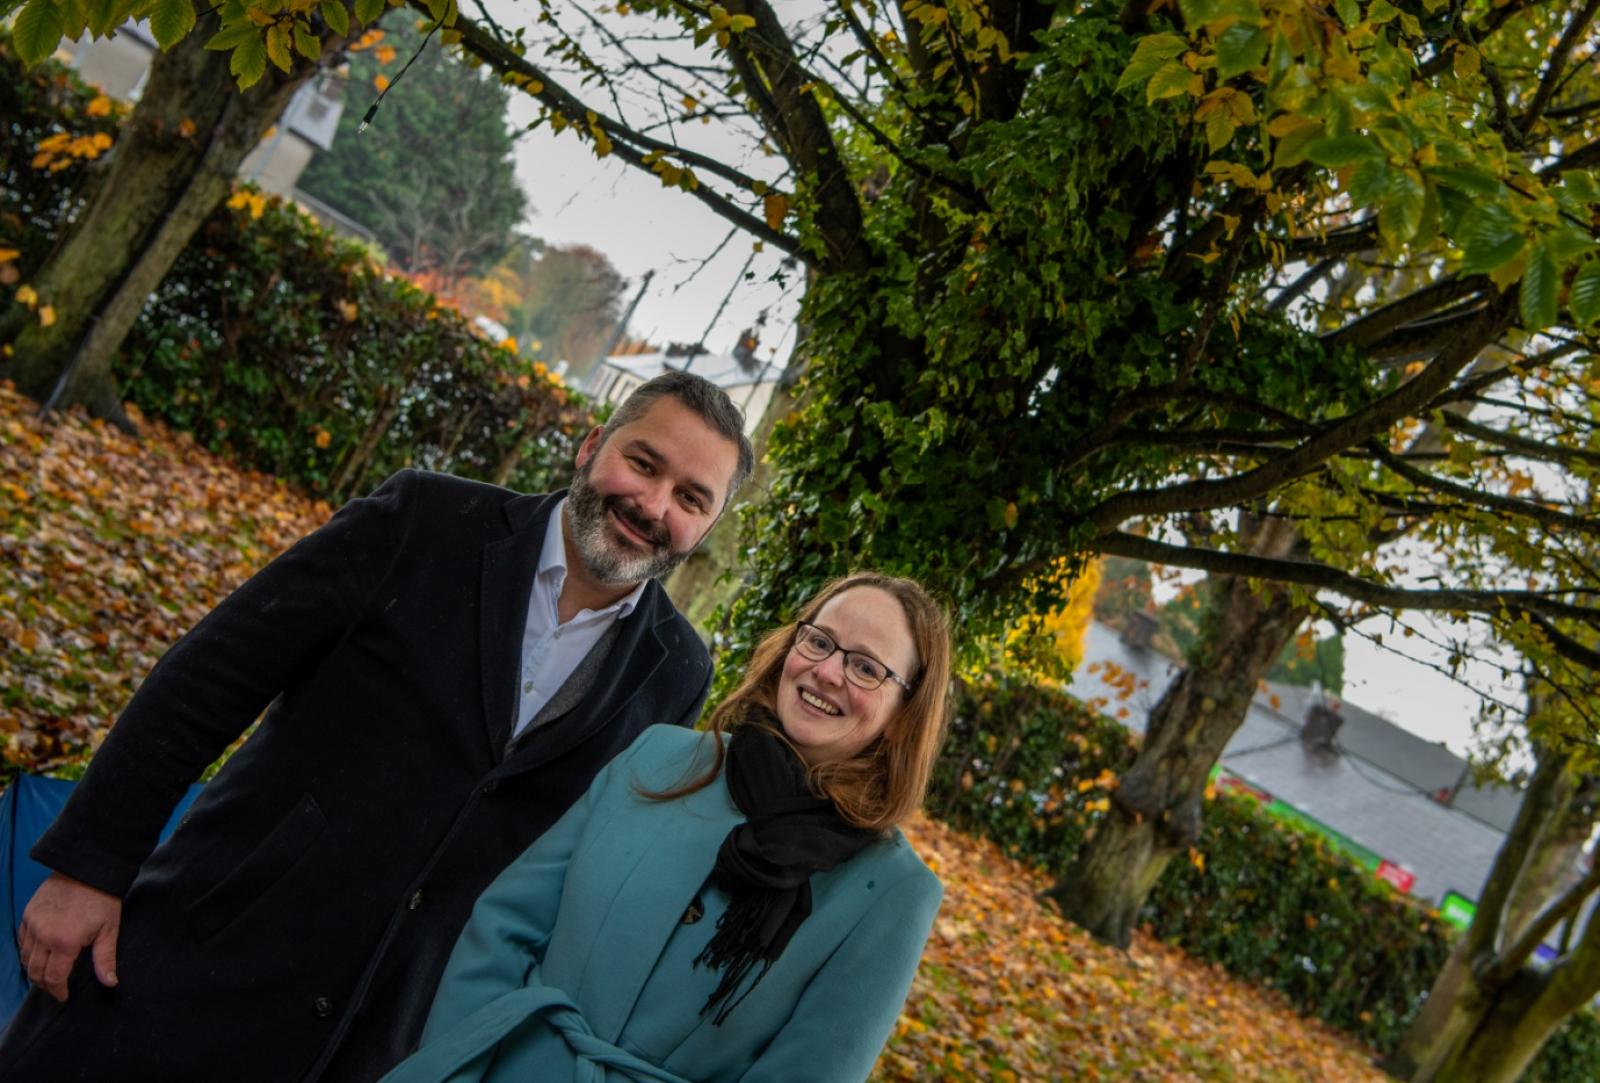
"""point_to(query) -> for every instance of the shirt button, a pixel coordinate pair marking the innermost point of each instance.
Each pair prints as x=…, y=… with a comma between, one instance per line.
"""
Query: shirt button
x=492, y=785
x=322, y=1008
x=415, y=901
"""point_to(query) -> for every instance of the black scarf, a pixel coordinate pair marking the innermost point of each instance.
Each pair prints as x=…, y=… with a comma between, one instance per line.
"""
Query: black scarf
x=765, y=864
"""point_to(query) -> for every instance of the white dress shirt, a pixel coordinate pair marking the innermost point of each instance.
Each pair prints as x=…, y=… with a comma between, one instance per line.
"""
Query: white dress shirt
x=552, y=650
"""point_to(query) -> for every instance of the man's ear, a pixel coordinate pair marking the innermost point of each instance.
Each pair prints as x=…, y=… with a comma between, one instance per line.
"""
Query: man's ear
x=590, y=445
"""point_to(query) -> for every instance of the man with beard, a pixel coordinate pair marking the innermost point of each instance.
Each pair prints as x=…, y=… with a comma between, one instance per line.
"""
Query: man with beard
x=444, y=666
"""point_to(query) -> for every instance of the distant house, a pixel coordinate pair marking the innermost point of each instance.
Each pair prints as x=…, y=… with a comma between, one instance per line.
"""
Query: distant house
x=614, y=378
x=1405, y=807
x=119, y=65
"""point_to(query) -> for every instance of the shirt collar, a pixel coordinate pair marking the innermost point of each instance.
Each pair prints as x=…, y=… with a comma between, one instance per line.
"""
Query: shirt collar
x=553, y=565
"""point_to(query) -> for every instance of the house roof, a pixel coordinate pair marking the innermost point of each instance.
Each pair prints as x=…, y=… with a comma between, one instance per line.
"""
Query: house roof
x=721, y=369
x=1379, y=789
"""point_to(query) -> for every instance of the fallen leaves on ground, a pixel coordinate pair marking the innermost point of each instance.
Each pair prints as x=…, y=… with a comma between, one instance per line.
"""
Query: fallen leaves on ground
x=1008, y=990
x=110, y=549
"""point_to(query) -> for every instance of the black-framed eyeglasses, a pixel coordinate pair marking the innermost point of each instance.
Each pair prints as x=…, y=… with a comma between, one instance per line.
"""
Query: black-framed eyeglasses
x=861, y=670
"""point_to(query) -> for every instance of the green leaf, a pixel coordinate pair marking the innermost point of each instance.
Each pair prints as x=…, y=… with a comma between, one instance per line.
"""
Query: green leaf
x=232, y=36
x=104, y=16
x=1291, y=145
x=1171, y=81
x=1466, y=178
x=1349, y=12
x=1380, y=12
x=1196, y=13
x=1400, y=213
x=306, y=43
x=37, y=30
x=1583, y=300
x=1220, y=127
x=1490, y=238
x=1369, y=185
x=170, y=20
x=1582, y=184
x=1538, y=297
x=1567, y=243
x=1148, y=56
x=249, y=61
x=337, y=18
x=368, y=10
x=1338, y=151
x=1241, y=48
x=278, y=47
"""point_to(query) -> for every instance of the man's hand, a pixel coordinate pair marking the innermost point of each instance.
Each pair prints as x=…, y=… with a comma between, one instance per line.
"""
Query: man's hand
x=64, y=917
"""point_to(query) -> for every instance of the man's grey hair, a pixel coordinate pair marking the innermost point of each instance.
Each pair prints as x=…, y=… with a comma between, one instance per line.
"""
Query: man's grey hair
x=708, y=401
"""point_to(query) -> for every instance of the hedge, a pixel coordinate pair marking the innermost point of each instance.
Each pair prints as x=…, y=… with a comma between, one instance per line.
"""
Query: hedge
x=285, y=346
x=1031, y=768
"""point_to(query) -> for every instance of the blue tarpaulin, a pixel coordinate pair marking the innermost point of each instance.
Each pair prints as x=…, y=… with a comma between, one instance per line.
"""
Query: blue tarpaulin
x=28, y=807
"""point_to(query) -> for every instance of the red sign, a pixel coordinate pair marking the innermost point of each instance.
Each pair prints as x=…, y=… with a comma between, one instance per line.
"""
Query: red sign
x=1400, y=877
x=1227, y=783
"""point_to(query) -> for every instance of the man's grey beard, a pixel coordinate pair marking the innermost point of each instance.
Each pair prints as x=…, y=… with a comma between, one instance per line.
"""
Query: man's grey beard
x=603, y=555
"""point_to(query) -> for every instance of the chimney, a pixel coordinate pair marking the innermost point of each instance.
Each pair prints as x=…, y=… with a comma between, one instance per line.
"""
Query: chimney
x=1138, y=630
x=1320, y=729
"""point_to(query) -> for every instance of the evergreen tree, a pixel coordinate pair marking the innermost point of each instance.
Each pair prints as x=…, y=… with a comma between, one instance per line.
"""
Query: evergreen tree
x=432, y=175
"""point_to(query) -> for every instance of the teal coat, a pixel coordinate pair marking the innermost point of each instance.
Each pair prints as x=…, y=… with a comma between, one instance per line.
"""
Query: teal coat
x=576, y=964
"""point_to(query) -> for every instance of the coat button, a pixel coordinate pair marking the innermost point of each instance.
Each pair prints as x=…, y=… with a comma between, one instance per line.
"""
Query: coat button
x=415, y=901
x=492, y=785
x=322, y=1008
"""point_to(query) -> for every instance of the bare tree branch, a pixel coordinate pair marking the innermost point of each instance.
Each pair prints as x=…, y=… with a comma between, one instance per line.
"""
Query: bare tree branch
x=1557, y=62
x=631, y=146
x=1323, y=577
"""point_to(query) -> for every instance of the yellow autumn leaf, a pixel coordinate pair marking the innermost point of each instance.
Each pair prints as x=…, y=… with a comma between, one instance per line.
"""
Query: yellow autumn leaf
x=775, y=207
x=26, y=295
x=8, y=254
x=381, y=82
x=349, y=310
x=99, y=107
x=47, y=315
x=384, y=53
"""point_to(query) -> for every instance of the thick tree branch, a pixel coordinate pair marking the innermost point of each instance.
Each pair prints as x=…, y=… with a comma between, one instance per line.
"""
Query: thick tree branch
x=1310, y=277
x=1323, y=577
x=1354, y=429
x=631, y=146
x=1373, y=326
x=1513, y=444
x=1360, y=237
x=1492, y=21
x=1482, y=498
x=766, y=59
x=1557, y=63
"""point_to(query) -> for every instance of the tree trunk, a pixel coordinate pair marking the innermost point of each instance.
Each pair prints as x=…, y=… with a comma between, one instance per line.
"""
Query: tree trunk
x=1157, y=805
x=1459, y=1032
x=174, y=161
x=1510, y=1031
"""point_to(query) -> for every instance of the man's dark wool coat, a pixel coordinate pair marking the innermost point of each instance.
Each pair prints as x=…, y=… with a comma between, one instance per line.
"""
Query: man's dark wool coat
x=295, y=925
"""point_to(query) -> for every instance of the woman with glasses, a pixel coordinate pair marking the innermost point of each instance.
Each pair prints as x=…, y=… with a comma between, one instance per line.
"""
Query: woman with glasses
x=731, y=905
